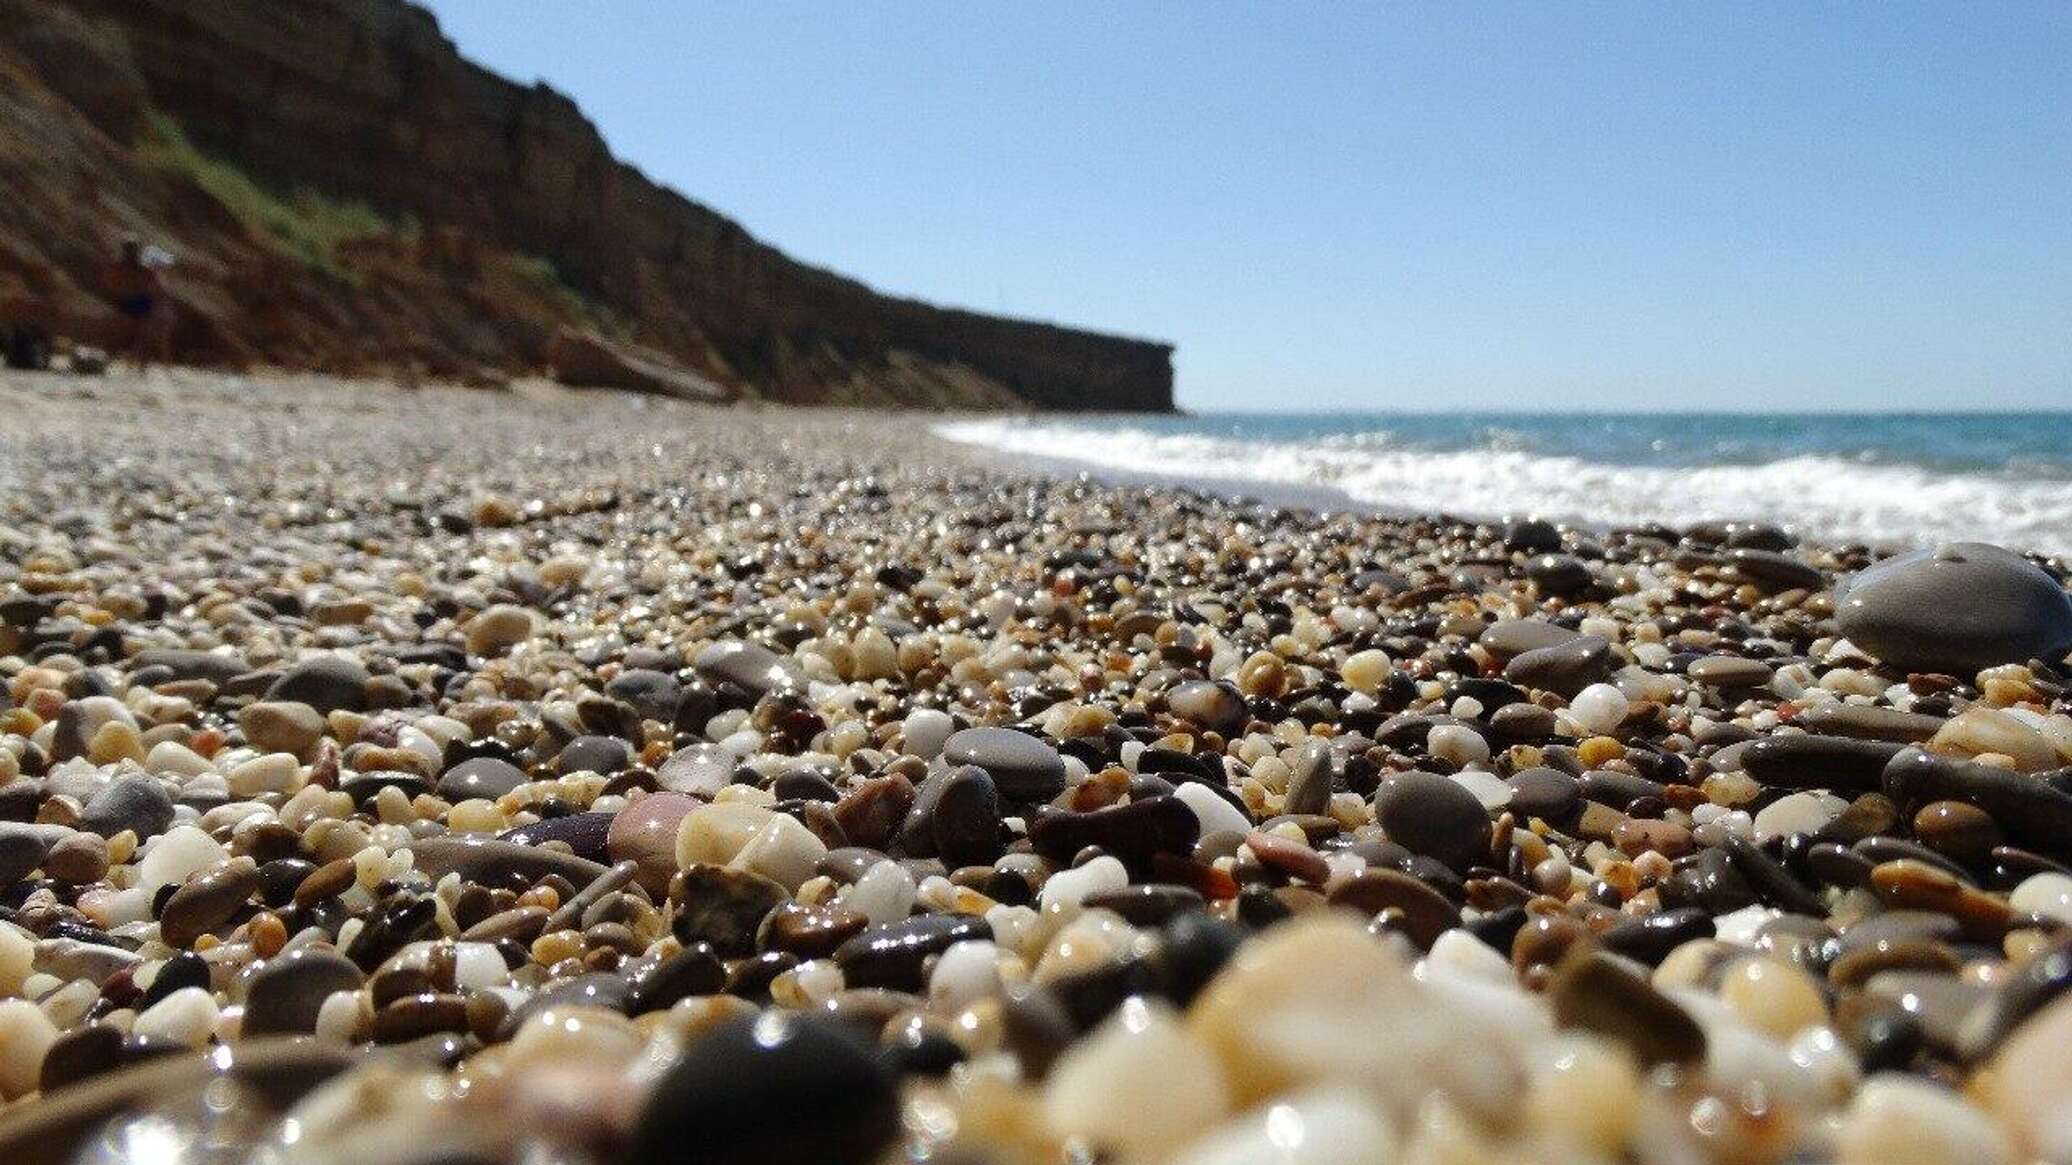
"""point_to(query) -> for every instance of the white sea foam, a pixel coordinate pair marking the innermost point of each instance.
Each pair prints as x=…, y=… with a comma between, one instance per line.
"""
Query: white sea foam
x=1822, y=496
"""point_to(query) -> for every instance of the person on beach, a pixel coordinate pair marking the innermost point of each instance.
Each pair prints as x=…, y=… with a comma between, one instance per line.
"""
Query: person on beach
x=137, y=287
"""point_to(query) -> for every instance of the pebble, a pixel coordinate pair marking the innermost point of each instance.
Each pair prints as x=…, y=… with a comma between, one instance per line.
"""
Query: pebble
x=1431, y=815
x=1023, y=767
x=1141, y=1085
x=281, y=726
x=134, y=802
x=1962, y=607
x=206, y=901
x=484, y=777
x=1567, y=668
x=499, y=629
x=285, y=994
x=327, y=683
x=739, y=1094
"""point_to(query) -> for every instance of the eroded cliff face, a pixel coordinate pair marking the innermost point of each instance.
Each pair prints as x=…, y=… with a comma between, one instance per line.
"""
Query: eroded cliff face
x=366, y=101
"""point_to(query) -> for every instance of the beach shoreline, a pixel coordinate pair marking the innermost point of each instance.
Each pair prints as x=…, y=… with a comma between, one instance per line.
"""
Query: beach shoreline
x=556, y=768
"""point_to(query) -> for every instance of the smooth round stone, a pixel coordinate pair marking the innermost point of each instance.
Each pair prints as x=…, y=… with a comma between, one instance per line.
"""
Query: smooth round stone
x=1309, y=783
x=284, y=994
x=1865, y=722
x=1422, y=912
x=21, y=851
x=137, y=802
x=2032, y=812
x=1774, y=570
x=1729, y=671
x=25, y=1034
x=187, y=1016
x=1213, y=706
x=1136, y=832
x=1793, y=813
x=644, y=833
x=1545, y=793
x=1961, y=607
x=703, y=769
x=1215, y=814
x=483, y=778
x=694, y=970
x=892, y=954
x=1024, y=768
x=962, y=817
x=1140, y=1085
x=1899, y=1119
x=499, y=629
x=1599, y=708
x=748, y=666
x=1565, y=668
x=1798, y=761
x=925, y=730
x=188, y=664
x=653, y=694
x=1773, y=997
x=1432, y=815
x=364, y=787
x=1960, y=832
x=2047, y=894
x=2034, y=1075
x=1596, y=993
x=496, y=861
x=584, y=833
x=1559, y=574
x=281, y=726
x=776, y=1090
x=81, y=1054
x=327, y=683
x=594, y=754
x=1512, y=637
x=206, y=901
x=179, y=852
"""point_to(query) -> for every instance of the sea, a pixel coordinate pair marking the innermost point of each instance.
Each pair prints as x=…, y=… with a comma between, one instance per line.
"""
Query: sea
x=1888, y=479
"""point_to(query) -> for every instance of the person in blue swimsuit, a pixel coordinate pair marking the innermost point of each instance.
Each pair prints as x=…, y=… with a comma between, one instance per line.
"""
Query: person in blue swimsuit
x=138, y=291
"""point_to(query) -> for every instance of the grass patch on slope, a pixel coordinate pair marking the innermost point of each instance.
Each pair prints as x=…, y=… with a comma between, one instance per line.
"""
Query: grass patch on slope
x=307, y=225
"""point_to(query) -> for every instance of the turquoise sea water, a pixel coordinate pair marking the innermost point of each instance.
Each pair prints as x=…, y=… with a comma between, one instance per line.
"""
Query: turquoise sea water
x=1904, y=478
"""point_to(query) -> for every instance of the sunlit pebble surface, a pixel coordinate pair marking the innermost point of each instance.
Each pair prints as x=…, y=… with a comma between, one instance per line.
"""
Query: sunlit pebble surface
x=438, y=775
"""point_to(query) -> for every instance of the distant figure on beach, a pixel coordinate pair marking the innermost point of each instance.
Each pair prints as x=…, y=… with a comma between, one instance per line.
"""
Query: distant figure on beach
x=137, y=287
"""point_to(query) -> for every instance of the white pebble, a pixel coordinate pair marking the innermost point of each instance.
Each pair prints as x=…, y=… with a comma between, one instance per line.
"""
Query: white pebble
x=1458, y=745
x=966, y=973
x=178, y=852
x=1216, y=814
x=1140, y=1084
x=2047, y=894
x=1066, y=889
x=187, y=1016
x=1325, y=1126
x=1598, y=708
x=1903, y=1120
x=926, y=729
x=1797, y=813
x=25, y=1034
x=885, y=893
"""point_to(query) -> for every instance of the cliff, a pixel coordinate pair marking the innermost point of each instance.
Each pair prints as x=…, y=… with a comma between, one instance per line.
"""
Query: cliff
x=345, y=190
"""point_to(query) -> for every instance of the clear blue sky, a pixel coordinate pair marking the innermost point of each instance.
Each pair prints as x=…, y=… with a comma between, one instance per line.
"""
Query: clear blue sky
x=1390, y=206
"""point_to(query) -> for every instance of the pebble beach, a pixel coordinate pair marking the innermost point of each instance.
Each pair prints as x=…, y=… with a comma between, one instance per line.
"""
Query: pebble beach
x=451, y=775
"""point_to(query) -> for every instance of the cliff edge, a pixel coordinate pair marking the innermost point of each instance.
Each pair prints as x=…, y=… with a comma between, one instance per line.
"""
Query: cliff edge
x=345, y=191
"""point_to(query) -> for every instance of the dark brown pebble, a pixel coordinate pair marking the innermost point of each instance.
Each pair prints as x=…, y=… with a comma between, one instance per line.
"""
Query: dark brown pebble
x=2030, y=812
x=694, y=970
x=1133, y=833
x=206, y=901
x=810, y=932
x=891, y=954
x=1425, y=913
x=1024, y=767
x=1594, y=992
x=1565, y=668
x=723, y=907
x=81, y=1054
x=416, y=1016
x=872, y=811
x=1819, y=762
x=1147, y=905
